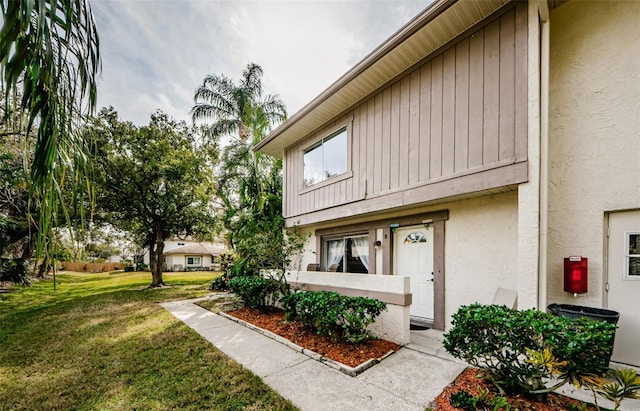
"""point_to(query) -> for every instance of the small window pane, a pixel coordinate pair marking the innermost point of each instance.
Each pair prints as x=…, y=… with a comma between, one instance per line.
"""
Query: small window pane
x=335, y=255
x=326, y=159
x=313, y=166
x=335, y=155
x=415, y=237
x=634, y=266
x=634, y=244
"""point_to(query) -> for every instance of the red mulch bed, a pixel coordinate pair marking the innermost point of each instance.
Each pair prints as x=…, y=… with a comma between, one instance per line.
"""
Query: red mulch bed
x=469, y=381
x=353, y=355
x=348, y=354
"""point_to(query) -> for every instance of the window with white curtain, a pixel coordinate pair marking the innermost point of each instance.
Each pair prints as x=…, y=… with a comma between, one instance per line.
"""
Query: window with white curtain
x=347, y=254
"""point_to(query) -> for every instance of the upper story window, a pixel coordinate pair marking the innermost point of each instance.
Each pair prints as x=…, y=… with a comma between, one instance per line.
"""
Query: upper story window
x=325, y=159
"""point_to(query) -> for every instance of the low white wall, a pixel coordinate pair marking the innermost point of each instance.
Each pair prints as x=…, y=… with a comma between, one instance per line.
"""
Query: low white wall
x=393, y=324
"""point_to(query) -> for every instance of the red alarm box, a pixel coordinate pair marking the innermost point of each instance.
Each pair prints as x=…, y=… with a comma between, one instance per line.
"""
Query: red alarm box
x=575, y=274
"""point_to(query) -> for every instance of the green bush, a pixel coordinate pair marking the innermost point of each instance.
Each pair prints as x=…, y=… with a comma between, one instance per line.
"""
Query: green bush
x=333, y=315
x=14, y=270
x=256, y=291
x=523, y=352
x=220, y=283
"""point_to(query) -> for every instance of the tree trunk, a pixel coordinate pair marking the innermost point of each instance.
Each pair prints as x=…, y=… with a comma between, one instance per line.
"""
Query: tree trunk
x=155, y=260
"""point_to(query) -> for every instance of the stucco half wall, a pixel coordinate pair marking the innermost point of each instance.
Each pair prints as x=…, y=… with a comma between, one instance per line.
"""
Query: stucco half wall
x=392, y=324
x=481, y=254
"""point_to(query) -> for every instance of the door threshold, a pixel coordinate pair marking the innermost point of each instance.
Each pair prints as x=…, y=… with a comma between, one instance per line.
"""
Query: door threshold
x=417, y=323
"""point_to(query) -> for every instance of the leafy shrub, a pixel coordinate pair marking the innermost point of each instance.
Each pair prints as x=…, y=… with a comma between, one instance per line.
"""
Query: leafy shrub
x=220, y=283
x=624, y=383
x=256, y=291
x=524, y=351
x=333, y=315
x=464, y=400
x=226, y=264
x=14, y=270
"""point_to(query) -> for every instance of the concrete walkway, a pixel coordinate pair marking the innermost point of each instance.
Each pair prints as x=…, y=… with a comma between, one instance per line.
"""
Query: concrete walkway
x=409, y=379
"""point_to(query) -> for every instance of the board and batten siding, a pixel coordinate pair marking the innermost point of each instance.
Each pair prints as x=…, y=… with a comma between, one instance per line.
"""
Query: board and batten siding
x=461, y=112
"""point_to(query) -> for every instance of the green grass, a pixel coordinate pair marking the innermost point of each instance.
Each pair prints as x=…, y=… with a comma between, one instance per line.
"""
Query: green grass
x=101, y=342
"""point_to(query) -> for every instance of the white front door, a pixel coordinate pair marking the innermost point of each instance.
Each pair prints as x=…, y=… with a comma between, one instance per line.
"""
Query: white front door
x=413, y=257
x=624, y=283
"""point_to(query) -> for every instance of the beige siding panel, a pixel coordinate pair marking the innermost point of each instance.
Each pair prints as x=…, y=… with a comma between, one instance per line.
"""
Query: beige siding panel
x=403, y=162
x=491, y=92
x=462, y=107
x=448, y=111
x=436, y=118
x=476, y=99
x=507, y=87
x=521, y=84
x=360, y=174
x=377, y=161
x=371, y=144
x=414, y=128
x=461, y=112
x=394, y=137
x=352, y=184
x=425, y=123
x=386, y=140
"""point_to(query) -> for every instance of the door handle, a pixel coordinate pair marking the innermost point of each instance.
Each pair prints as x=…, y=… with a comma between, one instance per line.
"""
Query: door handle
x=431, y=277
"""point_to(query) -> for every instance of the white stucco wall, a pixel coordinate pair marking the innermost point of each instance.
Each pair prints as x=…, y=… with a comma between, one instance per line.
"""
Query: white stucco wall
x=594, y=133
x=393, y=323
x=481, y=250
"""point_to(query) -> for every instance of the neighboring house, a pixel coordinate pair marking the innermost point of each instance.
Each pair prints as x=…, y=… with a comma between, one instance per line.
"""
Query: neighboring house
x=474, y=150
x=184, y=255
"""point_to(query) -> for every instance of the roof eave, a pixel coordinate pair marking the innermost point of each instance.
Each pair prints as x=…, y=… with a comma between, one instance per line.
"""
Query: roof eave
x=334, y=100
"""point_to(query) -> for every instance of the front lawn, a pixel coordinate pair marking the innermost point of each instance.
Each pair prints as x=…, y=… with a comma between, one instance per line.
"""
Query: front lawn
x=101, y=341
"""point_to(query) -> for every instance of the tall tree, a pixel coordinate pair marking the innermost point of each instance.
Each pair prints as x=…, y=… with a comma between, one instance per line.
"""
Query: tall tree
x=232, y=108
x=152, y=181
x=49, y=62
x=249, y=184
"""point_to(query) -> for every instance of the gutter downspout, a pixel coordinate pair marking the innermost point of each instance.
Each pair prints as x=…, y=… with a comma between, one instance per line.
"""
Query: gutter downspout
x=544, y=152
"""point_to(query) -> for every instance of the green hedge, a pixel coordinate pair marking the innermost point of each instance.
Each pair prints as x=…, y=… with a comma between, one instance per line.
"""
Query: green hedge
x=529, y=351
x=258, y=292
x=333, y=315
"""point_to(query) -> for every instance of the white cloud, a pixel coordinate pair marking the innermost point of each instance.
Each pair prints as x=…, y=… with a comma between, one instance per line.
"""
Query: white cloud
x=155, y=53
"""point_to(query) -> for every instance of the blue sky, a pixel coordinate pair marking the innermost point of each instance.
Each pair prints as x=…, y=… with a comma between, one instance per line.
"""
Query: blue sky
x=156, y=52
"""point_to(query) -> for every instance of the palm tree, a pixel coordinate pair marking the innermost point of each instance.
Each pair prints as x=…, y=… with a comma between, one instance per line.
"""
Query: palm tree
x=49, y=63
x=249, y=184
x=236, y=108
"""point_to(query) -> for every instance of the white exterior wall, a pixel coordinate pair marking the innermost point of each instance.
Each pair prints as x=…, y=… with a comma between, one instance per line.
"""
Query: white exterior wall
x=594, y=133
x=481, y=250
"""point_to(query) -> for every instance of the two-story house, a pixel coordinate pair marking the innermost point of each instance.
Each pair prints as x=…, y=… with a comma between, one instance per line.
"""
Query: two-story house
x=473, y=151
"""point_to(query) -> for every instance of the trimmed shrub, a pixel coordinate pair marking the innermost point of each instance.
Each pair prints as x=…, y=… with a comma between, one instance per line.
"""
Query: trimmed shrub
x=333, y=315
x=220, y=283
x=256, y=291
x=523, y=352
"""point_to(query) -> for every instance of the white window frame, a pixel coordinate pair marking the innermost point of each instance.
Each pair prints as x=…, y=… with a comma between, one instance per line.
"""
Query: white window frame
x=344, y=127
x=628, y=256
x=199, y=257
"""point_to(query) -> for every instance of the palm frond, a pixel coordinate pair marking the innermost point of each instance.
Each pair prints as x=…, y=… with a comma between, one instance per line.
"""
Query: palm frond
x=50, y=50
